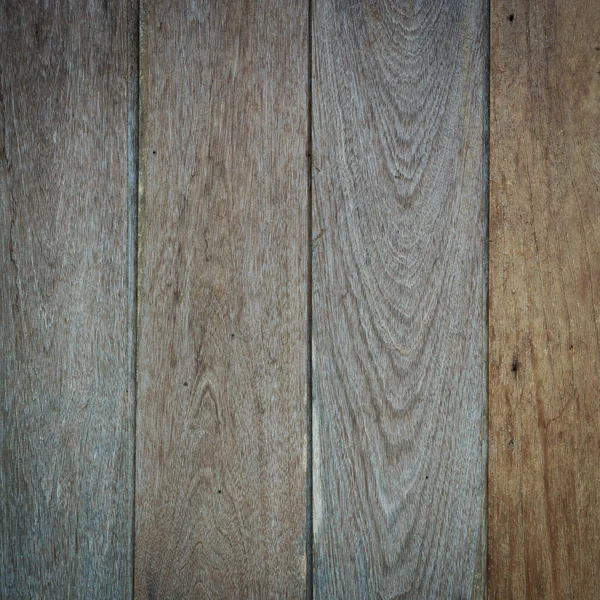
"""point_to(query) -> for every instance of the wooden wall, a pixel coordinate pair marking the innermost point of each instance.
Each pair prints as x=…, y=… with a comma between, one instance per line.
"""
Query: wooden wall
x=299, y=299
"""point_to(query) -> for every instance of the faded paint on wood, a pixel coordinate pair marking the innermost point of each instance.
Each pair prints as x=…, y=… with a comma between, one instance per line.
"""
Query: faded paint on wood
x=399, y=299
x=544, y=485
x=65, y=514
x=221, y=429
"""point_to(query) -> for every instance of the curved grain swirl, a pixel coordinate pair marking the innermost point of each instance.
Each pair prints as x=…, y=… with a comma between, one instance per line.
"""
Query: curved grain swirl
x=399, y=377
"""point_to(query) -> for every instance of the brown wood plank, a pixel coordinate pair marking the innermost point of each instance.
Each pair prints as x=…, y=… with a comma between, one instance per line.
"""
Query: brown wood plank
x=65, y=431
x=221, y=431
x=399, y=299
x=544, y=484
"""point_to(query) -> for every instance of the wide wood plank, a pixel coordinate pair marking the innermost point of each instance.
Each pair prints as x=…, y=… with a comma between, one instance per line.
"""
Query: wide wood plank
x=544, y=483
x=399, y=299
x=65, y=428
x=221, y=430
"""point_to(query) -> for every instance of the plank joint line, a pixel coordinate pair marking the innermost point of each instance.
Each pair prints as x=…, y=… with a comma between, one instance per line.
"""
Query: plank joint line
x=309, y=295
x=133, y=153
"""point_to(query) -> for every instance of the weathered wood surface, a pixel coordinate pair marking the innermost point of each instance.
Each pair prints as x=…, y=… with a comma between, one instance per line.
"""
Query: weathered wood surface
x=399, y=299
x=65, y=510
x=221, y=429
x=544, y=483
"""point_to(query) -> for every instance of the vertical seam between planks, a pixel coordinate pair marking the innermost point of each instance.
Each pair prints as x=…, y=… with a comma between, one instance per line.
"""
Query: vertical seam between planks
x=486, y=273
x=309, y=313
x=142, y=63
x=132, y=249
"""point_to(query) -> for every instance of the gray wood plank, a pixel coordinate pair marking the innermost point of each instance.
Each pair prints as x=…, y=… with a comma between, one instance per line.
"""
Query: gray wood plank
x=221, y=431
x=65, y=435
x=398, y=308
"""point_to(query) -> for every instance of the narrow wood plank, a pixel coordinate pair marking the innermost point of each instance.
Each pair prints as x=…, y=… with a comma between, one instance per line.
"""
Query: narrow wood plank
x=65, y=436
x=544, y=485
x=221, y=431
x=399, y=299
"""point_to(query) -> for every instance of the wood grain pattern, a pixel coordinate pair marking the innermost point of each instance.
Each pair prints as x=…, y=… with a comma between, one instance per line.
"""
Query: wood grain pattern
x=221, y=480
x=65, y=510
x=544, y=487
x=399, y=319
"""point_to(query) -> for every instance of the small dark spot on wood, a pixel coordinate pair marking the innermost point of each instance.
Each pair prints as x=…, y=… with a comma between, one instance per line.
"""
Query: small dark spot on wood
x=185, y=383
x=219, y=491
x=232, y=335
x=515, y=364
x=511, y=444
x=308, y=155
x=571, y=345
x=426, y=476
x=511, y=17
x=153, y=151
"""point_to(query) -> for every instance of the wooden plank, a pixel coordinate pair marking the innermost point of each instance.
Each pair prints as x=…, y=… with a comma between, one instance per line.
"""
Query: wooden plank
x=399, y=299
x=65, y=434
x=544, y=488
x=221, y=432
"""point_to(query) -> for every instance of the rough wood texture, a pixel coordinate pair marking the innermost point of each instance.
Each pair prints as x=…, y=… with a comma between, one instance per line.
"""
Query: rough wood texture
x=544, y=487
x=65, y=512
x=399, y=319
x=221, y=475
